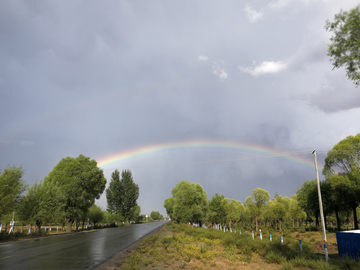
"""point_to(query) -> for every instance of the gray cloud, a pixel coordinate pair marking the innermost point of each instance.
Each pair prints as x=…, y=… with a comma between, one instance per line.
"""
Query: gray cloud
x=101, y=78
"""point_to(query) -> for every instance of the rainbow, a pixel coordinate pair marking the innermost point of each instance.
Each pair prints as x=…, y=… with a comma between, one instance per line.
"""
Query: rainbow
x=261, y=151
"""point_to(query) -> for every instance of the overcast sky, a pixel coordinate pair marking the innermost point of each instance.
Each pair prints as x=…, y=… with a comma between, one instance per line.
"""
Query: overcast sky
x=103, y=77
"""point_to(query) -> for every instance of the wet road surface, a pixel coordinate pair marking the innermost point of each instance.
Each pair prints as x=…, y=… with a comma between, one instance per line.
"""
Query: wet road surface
x=72, y=251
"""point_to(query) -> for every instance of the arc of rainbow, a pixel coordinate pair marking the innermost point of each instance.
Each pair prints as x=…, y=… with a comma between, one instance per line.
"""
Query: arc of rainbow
x=198, y=144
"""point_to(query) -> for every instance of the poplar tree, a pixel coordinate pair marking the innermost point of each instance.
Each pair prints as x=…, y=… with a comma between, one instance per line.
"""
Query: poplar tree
x=122, y=194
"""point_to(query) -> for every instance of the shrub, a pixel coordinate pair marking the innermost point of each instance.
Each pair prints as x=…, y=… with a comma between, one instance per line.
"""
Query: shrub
x=273, y=257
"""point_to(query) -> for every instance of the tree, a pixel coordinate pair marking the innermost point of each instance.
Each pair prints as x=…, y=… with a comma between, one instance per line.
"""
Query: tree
x=189, y=202
x=344, y=159
x=233, y=210
x=122, y=194
x=81, y=181
x=256, y=203
x=308, y=198
x=155, y=215
x=295, y=210
x=217, y=212
x=43, y=202
x=345, y=43
x=169, y=206
x=11, y=187
x=135, y=213
x=95, y=214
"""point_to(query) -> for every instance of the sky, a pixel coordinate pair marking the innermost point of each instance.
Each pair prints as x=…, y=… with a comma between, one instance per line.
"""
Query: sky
x=233, y=95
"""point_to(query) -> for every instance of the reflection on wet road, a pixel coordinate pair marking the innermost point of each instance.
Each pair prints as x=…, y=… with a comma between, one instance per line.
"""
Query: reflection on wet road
x=73, y=251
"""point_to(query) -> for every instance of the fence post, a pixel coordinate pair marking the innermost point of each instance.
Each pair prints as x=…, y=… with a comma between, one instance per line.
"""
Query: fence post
x=253, y=234
x=261, y=236
x=300, y=245
x=282, y=240
x=0, y=227
x=30, y=230
x=270, y=238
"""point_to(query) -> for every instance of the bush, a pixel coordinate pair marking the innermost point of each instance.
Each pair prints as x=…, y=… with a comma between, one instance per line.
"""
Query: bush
x=273, y=257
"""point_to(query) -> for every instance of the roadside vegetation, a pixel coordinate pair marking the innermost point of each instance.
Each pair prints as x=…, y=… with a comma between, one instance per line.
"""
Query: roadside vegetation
x=65, y=200
x=181, y=246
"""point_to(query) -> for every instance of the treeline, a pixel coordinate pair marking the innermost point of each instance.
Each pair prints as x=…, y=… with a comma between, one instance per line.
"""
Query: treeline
x=340, y=195
x=67, y=195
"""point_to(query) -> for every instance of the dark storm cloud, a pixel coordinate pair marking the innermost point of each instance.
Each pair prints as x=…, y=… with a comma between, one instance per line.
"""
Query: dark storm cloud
x=97, y=78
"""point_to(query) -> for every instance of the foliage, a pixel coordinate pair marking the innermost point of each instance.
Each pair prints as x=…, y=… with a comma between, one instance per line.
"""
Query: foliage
x=169, y=206
x=11, y=187
x=189, y=202
x=256, y=204
x=342, y=169
x=122, y=194
x=43, y=202
x=135, y=214
x=95, y=214
x=81, y=181
x=217, y=212
x=155, y=215
x=233, y=210
x=344, y=47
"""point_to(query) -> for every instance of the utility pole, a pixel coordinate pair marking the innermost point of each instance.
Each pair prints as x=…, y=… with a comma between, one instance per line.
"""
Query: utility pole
x=320, y=201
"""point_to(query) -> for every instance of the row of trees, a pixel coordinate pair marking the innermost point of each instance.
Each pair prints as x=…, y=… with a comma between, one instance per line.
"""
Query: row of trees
x=189, y=203
x=340, y=193
x=68, y=194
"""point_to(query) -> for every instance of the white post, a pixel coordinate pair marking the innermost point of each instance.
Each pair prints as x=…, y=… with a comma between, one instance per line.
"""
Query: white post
x=57, y=228
x=29, y=230
x=50, y=228
x=260, y=236
x=326, y=253
x=270, y=238
x=0, y=227
x=300, y=245
x=253, y=234
x=282, y=240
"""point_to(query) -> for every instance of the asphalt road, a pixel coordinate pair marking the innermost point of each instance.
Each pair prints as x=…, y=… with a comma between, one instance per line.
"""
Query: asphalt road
x=72, y=251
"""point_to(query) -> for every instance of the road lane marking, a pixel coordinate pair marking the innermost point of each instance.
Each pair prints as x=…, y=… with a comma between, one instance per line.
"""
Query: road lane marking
x=11, y=256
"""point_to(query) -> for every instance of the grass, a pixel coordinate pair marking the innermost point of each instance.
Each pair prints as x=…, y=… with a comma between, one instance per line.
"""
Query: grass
x=179, y=246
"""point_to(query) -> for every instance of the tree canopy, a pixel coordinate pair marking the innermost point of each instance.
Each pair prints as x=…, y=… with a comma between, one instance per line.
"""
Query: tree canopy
x=189, y=202
x=122, y=194
x=11, y=187
x=81, y=181
x=344, y=47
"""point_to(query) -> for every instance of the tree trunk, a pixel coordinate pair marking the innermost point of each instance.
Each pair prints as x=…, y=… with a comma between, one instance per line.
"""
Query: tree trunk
x=83, y=224
x=317, y=221
x=5, y=226
x=256, y=222
x=22, y=227
x=356, y=227
x=280, y=222
x=293, y=221
x=69, y=223
x=338, y=225
x=38, y=226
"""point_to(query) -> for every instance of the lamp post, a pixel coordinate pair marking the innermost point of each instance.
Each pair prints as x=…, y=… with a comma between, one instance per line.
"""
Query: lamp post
x=320, y=201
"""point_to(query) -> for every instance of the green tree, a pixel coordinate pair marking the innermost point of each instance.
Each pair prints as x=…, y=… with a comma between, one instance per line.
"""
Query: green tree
x=43, y=202
x=233, y=210
x=122, y=194
x=135, y=213
x=81, y=181
x=344, y=159
x=11, y=187
x=95, y=214
x=169, y=206
x=295, y=210
x=344, y=47
x=256, y=203
x=217, y=212
x=155, y=215
x=189, y=202
x=307, y=196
